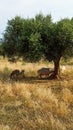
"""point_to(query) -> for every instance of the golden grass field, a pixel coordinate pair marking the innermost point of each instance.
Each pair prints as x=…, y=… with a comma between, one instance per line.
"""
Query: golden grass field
x=34, y=103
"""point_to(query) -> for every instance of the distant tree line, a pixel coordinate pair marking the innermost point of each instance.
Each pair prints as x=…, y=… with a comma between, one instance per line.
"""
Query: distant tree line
x=37, y=38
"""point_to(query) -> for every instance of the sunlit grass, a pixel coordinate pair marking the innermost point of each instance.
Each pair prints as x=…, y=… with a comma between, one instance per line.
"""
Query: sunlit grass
x=34, y=103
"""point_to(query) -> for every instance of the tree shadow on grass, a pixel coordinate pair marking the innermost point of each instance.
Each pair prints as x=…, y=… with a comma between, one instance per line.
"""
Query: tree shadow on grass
x=35, y=80
x=5, y=78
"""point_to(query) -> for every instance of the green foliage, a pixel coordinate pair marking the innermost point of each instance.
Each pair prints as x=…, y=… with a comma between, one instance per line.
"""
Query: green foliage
x=65, y=37
x=62, y=40
x=12, y=36
x=35, y=47
x=38, y=37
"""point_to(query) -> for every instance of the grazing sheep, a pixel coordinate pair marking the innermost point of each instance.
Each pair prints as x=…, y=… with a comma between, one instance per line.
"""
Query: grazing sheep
x=17, y=75
x=14, y=74
x=62, y=69
x=21, y=75
x=45, y=72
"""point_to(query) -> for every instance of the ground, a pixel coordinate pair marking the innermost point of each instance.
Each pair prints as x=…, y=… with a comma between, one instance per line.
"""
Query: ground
x=34, y=103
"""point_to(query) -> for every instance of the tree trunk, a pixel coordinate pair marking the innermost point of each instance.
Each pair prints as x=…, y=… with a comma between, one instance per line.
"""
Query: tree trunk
x=56, y=73
x=57, y=68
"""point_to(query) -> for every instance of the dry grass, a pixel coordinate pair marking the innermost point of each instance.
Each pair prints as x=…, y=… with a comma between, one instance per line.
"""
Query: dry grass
x=35, y=104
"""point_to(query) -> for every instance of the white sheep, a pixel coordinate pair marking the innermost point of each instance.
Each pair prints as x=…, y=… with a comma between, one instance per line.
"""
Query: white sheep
x=62, y=69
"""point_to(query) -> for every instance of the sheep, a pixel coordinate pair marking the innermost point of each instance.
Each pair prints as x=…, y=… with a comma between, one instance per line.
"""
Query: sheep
x=17, y=75
x=63, y=69
x=14, y=73
x=21, y=75
x=45, y=72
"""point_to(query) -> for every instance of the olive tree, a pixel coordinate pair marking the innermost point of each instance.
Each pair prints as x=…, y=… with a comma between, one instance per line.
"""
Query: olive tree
x=37, y=37
x=61, y=43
